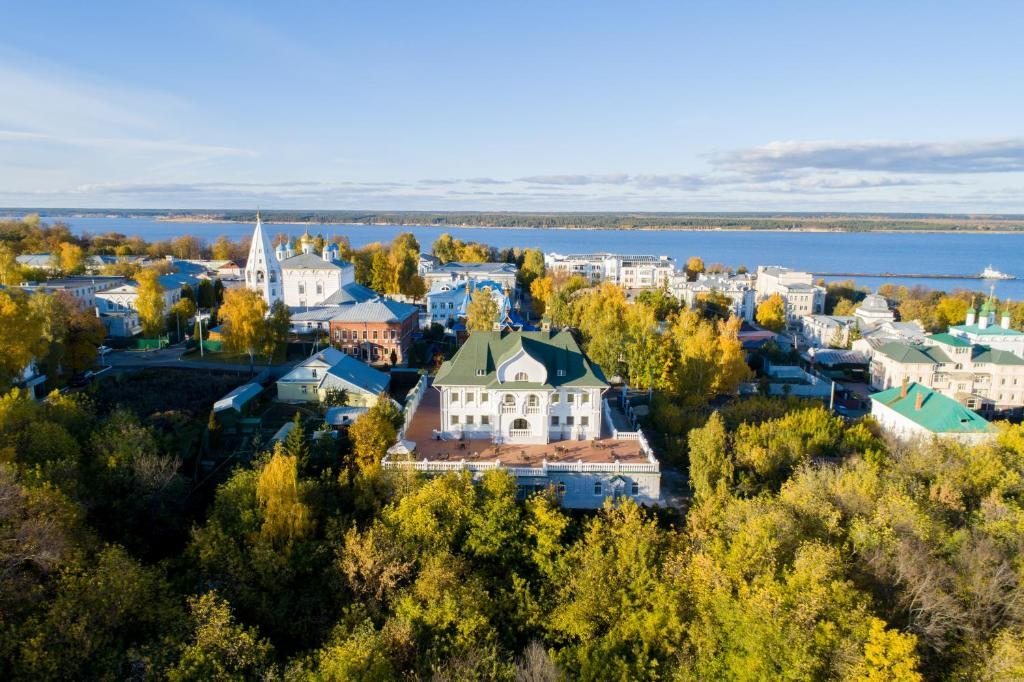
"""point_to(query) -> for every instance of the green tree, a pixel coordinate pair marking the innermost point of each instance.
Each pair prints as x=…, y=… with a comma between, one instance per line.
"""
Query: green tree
x=445, y=248
x=180, y=314
x=532, y=267
x=383, y=275
x=205, y=296
x=219, y=648
x=710, y=465
x=374, y=431
x=278, y=324
x=85, y=334
x=771, y=313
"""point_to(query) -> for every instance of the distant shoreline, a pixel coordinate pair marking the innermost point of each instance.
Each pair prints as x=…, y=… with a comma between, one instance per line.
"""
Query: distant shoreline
x=810, y=230
x=810, y=223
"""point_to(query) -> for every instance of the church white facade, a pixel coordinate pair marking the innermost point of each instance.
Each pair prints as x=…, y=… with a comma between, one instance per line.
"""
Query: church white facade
x=295, y=274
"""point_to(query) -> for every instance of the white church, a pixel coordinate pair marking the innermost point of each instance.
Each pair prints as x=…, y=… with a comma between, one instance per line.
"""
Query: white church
x=295, y=273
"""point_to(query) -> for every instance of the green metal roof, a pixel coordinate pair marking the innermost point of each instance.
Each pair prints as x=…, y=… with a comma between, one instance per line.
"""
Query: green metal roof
x=476, y=363
x=992, y=329
x=914, y=353
x=950, y=340
x=937, y=414
x=995, y=356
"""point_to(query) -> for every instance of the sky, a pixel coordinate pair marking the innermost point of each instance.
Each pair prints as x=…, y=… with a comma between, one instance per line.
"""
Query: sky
x=523, y=106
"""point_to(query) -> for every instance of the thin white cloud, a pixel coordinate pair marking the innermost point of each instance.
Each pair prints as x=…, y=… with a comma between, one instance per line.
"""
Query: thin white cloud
x=125, y=144
x=991, y=156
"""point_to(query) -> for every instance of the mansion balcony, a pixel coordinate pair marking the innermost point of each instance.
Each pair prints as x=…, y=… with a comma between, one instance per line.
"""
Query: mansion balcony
x=627, y=451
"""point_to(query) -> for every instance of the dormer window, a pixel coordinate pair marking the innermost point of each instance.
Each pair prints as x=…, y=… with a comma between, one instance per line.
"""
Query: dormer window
x=480, y=372
x=521, y=376
x=560, y=372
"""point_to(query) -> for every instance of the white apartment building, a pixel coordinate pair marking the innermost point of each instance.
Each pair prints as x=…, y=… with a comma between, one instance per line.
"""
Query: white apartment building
x=739, y=289
x=455, y=273
x=628, y=271
x=801, y=295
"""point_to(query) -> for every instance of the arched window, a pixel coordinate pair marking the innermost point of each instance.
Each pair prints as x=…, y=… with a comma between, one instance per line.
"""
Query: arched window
x=509, y=399
x=520, y=424
x=533, y=401
x=259, y=277
x=273, y=276
x=521, y=376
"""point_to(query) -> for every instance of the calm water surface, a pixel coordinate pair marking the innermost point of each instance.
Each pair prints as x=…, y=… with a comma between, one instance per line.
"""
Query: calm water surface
x=815, y=251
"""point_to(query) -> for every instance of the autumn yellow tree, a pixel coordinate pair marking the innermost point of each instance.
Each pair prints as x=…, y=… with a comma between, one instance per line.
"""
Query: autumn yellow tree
x=10, y=271
x=694, y=266
x=482, y=311
x=71, y=258
x=243, y=314
x=540, y=291
x=375, y=431
x=771, y=313
x=149, y=303
x=286, y=518
x=21, y=335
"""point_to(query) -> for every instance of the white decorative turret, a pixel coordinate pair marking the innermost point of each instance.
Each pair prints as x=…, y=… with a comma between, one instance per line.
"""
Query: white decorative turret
x=330, y=253
x=972, y=315
x=262, y=270
x=1004, y=322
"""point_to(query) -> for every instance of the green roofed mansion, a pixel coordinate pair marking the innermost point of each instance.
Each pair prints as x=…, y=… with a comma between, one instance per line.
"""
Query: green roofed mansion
x=533, y=403
x=961, y=365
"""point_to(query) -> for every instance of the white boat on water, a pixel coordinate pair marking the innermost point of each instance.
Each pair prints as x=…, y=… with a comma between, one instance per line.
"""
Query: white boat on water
x=992, y=273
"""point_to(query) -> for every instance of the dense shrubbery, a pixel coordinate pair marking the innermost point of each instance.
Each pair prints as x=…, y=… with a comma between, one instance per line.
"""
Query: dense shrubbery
x=813, y=550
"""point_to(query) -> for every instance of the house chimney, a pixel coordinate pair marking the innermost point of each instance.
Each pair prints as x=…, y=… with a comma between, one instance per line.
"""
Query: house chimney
x=919, y=401
x=904, y=388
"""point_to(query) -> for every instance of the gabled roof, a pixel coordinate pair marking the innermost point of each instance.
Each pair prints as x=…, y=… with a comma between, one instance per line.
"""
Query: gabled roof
x=350, y=293
x=937, y=414
x=913, y=353
x=311, y=261
x=237, y=397
x=477, y=361
x=950, y=340
x=377, y=310
x=995, y=356
x=358, y=375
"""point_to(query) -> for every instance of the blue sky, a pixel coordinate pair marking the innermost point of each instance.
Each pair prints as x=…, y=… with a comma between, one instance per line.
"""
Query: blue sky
x=871, y=106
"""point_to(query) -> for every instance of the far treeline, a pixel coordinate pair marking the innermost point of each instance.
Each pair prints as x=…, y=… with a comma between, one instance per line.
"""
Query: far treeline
x=849, y=222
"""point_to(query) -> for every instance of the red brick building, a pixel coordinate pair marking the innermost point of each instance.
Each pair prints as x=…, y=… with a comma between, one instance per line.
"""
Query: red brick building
x=374, y=330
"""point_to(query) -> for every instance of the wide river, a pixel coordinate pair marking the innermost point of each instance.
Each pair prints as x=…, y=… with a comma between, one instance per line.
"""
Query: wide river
x=860, y=252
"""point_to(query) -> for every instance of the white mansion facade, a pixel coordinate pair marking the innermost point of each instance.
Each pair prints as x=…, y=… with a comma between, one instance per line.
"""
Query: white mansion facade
x=527, y=387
